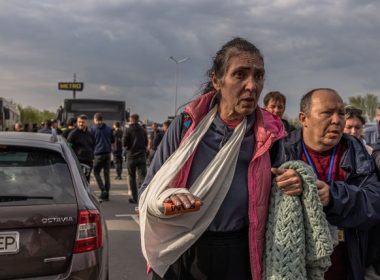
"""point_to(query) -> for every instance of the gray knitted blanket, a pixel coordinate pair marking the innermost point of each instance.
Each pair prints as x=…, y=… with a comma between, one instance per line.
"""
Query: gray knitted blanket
x=298, y=242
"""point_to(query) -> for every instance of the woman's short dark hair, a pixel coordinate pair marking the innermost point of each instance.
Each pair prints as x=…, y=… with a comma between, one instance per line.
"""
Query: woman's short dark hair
x=353, y=112
x=221, y=60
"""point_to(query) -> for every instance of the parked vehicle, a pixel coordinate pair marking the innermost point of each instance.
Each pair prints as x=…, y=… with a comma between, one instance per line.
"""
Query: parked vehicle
x=51, y=225
x=370, y=134
x=112, y=110
x=9, y=115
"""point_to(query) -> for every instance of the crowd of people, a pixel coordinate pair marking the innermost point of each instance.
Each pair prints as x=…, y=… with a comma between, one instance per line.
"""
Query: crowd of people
x=225, y=153
x=98, y=146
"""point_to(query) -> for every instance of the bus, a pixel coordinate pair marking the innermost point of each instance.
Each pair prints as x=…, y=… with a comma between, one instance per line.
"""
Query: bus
x=112, y=110
x=9, y=115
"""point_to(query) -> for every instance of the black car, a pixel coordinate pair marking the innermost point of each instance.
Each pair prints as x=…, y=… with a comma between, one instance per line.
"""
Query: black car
x=51, y=225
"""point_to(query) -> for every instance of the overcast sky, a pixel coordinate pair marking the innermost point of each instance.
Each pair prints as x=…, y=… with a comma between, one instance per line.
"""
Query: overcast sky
x=120, y=48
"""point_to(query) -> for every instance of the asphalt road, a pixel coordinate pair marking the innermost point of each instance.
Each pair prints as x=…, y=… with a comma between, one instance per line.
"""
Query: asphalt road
x=126, y=260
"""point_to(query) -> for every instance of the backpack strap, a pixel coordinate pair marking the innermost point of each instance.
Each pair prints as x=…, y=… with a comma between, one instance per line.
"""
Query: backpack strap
x=185, y=123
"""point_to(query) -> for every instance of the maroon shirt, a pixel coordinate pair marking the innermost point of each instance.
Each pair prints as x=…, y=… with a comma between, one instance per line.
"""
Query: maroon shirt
x=321, y=162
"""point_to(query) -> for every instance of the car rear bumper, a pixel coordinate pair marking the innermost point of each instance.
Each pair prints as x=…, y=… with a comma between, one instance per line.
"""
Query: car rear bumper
x=84, y=266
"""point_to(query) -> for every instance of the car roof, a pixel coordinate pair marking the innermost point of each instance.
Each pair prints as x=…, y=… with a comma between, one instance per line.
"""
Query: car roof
x=31, y=139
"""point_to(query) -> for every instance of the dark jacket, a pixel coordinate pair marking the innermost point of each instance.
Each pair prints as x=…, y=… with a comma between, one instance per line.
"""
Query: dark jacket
x=135, y=140
x=66, y=132
x=355, y=203
x=117, y=146
x=288, y=127
x=103, y=139
x=83, y=144
x=376, y=154
x=156, y=138
x=374, y=240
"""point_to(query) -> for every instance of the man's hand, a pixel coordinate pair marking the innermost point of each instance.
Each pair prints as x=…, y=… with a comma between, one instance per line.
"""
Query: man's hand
x=185, y=199
x=323, y=192
x=288, y=181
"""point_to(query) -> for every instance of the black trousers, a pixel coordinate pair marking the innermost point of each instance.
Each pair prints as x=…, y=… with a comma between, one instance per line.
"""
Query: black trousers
x=136, y=174
x=216, y=255
x=118, y=160
x=103, y=162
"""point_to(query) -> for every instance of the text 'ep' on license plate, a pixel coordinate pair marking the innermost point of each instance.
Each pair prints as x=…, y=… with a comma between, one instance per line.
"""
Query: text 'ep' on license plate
x=9, y=242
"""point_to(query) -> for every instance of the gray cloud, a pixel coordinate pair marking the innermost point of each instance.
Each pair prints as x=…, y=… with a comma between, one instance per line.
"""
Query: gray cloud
x=120, y=49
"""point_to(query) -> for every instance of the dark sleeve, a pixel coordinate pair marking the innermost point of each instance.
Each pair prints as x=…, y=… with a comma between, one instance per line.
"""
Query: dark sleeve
x=71, y=136
x=93, y=141
x=355, y=204
x=277, y=153
x=376, y=155
x=112, y=136
x=169, y=144
x=125, y=138
x=146, y=139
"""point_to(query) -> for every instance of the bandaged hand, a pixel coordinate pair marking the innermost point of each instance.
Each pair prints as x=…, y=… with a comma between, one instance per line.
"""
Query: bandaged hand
x=186, y=200
x=288, y=181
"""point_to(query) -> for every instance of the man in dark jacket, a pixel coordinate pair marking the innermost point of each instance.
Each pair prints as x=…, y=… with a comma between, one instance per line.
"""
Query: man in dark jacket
x=135, y=141
x=154, y=140
x=102, y=154
x=347, y=183
x=83, y=143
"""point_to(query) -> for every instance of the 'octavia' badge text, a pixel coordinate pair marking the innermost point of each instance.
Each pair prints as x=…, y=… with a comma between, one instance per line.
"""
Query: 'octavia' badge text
x=57, y=220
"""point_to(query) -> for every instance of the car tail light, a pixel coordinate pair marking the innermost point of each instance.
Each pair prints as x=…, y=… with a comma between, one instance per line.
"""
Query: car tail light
x=89, y=233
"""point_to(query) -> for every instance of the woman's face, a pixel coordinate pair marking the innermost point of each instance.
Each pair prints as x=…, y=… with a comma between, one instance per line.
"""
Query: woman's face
x=354, y=126
x=241, y=86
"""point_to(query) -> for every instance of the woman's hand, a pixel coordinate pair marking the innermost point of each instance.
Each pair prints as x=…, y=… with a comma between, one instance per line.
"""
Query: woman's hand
x=187, y=200
x=288, y=181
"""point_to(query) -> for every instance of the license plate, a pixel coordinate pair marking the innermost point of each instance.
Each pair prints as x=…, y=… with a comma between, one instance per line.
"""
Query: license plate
x=9, y=242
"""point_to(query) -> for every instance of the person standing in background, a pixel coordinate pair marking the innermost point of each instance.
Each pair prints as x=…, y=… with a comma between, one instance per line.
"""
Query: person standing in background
x=275, y=102
x=102, y=154
x=154, y=140
x=70, y=126
x=83, y=143
x=117, y=149
x=18, y=127
x=135, y=141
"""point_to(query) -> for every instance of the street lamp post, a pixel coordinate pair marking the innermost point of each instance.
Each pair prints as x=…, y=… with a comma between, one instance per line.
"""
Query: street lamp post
x=177, y=62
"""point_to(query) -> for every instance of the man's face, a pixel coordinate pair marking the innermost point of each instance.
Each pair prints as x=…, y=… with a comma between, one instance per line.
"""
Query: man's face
x=276, y=107
x=18, y=127
x=97, y=122
x=323, y=126
x=81, y=123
